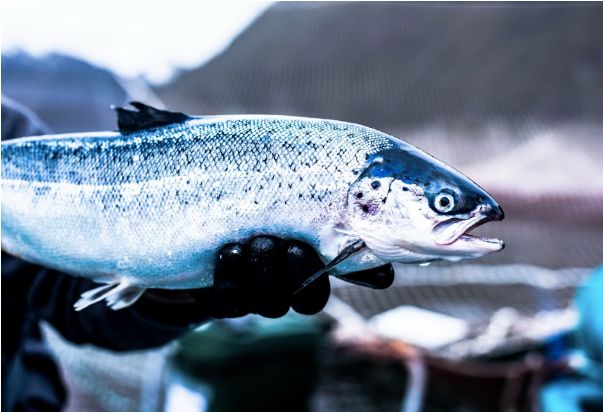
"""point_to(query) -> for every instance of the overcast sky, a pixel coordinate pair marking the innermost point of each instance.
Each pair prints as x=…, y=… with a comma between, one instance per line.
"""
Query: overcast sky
x=147, y=37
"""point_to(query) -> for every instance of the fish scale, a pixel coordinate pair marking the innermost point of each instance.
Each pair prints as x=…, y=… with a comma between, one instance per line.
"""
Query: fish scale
x=150, y=206
x=164, y=200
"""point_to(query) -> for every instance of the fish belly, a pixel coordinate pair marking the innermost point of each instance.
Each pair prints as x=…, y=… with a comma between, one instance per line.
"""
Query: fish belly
x=155, y=234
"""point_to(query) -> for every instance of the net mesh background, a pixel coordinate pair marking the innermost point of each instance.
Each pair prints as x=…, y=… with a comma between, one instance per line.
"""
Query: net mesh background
x=470, y=292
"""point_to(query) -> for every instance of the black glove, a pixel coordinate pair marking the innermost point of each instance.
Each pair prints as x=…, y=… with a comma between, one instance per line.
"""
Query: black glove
x=261, y=275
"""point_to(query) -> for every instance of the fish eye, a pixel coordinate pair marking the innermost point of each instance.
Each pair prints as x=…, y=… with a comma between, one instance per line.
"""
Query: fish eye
x=444, y=202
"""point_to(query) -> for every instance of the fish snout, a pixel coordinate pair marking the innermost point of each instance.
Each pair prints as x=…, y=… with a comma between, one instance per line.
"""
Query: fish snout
x=495, y=212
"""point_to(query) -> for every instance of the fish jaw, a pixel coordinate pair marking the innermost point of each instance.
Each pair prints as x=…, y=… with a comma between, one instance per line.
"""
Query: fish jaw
x=469, y=246
x=454, y=238
x=424, y=248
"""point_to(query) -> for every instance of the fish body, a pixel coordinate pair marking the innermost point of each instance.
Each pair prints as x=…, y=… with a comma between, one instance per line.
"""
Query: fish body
x=151, y=207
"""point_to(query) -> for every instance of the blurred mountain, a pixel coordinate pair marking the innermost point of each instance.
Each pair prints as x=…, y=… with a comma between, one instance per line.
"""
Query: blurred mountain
x=393, y=64
x=68, y=94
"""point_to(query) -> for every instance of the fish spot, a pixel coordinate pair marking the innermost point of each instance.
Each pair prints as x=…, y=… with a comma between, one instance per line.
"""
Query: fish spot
x=41, y=191
x=359, y=195
x=375, y=184
x=365, y=208
x=405, y=189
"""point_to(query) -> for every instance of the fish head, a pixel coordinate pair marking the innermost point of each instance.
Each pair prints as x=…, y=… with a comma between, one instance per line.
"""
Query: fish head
x=410, y=207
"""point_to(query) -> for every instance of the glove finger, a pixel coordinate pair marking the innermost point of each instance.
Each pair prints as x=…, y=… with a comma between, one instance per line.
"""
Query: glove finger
x=377, y=278
x=271, y=288
x=303, y=262
x=230, y=292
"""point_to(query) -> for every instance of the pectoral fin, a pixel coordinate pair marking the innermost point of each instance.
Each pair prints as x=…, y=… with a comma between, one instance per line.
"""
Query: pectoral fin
x=343, y=255
x=381, y=277
x=118, y=296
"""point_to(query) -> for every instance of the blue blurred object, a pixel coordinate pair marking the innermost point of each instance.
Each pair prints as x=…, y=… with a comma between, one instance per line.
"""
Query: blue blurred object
x=589, y=335
x=583, y=392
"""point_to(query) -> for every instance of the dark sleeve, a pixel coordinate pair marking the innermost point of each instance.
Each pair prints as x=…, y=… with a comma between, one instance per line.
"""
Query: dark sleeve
x=146, y=324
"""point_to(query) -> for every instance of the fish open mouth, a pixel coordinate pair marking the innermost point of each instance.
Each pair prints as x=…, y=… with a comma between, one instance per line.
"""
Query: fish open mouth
x=455, y=231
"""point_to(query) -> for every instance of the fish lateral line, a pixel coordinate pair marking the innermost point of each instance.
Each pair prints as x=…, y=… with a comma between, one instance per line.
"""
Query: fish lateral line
x=343, y=255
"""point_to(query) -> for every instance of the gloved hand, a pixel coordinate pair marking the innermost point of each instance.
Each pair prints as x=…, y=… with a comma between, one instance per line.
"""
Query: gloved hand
x=261, y=275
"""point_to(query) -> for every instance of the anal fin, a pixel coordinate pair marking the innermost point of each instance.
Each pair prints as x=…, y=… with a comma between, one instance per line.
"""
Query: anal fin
x=117, y=295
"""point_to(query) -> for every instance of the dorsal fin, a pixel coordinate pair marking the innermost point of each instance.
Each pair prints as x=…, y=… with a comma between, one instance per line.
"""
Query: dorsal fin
x=146, y=117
